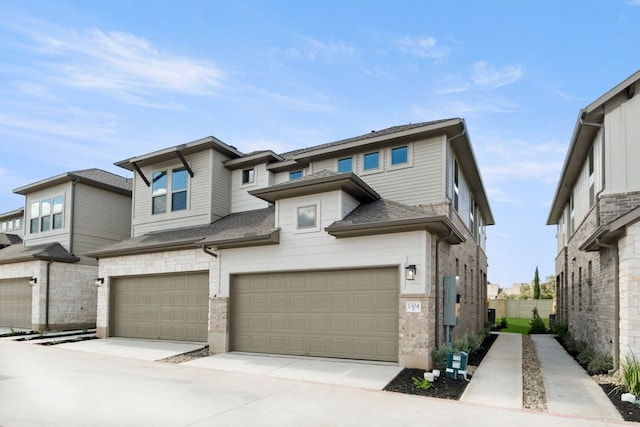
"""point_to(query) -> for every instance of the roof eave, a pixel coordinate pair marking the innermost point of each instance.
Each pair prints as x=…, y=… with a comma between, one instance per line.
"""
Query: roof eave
x=437, y=225
x=159, y=247
x=272, y=238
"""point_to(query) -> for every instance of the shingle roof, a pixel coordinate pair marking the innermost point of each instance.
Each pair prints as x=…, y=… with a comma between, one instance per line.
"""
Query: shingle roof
x=7, y=239
x=386, y=216
x=372, y=134
x=95, y=177
x=48, y=252
x=241, y=225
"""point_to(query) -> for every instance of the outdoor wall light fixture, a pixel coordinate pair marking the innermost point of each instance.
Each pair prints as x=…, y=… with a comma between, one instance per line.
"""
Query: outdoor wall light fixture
x=33, y=281
x=410, y=272
x=99, y=281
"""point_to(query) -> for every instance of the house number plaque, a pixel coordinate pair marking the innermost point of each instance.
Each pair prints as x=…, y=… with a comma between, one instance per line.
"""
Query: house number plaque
x=413, y=306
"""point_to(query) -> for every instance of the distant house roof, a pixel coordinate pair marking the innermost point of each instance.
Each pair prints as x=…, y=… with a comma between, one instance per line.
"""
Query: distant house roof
x=386, y=216
x=7, y=239
x=94, y=177
x=248, y=228
x=12, y=214
x=318, y=182
x=582, y=138
x=46, y=252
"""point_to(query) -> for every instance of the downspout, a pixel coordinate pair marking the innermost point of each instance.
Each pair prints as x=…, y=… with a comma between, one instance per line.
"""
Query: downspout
x=46, y=302
x=71, y=216
x=213, y=254
x=616, y=302
x=437, y=287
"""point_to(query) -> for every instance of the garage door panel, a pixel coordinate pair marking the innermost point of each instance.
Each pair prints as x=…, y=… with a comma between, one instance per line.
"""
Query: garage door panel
x=15, y=303
x=173, y=307
x=346, y=314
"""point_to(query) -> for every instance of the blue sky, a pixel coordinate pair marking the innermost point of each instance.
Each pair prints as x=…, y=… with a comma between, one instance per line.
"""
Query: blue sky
x=87, y=83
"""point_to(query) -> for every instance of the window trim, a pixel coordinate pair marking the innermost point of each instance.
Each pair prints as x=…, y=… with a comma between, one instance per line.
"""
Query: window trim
x=252, y=176
x=49, y=219
x=309, y=228
x=169, y=191
x=378, y=167
x=350, y=158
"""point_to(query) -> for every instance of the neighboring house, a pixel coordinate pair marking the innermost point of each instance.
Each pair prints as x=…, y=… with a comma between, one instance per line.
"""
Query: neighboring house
x=46, y=281
x=596, y=208
x=493, y=289
x=337, y=250
x=11, y=223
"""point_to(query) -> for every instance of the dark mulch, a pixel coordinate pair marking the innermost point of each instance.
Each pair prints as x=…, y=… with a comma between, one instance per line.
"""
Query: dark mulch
x=628, y=411
x=443, y=387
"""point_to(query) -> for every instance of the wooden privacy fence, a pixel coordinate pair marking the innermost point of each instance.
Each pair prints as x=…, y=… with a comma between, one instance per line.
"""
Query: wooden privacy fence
x=522, y=308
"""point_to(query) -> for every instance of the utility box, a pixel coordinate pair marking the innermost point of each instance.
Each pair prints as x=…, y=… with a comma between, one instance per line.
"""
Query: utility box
x=457, y=365
x=451, y=300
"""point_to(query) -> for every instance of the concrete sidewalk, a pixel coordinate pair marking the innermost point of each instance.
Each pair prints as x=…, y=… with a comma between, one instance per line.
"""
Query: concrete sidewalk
x=498, y=379
x=140, y=349
x=569, y=389
x=352, y=373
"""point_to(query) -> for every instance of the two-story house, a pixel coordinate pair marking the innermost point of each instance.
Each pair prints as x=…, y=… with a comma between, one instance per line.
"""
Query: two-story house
x=46, y=281
x=596, y=208
x=11, y=226
x=337, y=250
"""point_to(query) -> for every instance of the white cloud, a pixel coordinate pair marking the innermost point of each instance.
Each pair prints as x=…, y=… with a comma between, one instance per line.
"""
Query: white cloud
x=485, y=75
x=633, y=2
x=117, y=63
x=422, y=47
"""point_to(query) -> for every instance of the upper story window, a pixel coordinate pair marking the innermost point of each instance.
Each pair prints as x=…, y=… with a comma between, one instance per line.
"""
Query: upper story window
x=248, y=176
x=46, y=215
x=345, y=165
x=9, y=225
x=472, y=206
x=399, y=155
x=306, y=216
x=572, y=216
x=456, y=183
x=371, y=161
x=295, y=175
x=178, y=188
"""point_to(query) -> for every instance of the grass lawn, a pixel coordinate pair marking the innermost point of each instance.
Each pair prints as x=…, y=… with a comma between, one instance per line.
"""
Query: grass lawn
x=520, y=326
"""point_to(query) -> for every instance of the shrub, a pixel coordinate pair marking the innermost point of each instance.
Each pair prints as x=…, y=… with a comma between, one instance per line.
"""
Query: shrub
x=536, y=326
x=421, y=383
x=561, y=330
x=586, y=356
x=629, y=374
x=503, y=323
x=440, y=357
x=601, y=363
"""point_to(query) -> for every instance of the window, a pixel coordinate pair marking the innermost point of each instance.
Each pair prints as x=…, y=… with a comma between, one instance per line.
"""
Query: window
x=345, y=165
x=307, y=216
x=17, y=224
x=178, y=191
x=572, y=215
x=45, y=215
x=456, y=190
x=472, y=206
x=3, y=226
x=573, y=290
x=592, y=192
x=295, y=175
x=159, y=192
x=179, y=182
x=399, y=155
x=57, y=212
x=580, y=289
x=371, y=161
x=248, y=176
x=589, y=286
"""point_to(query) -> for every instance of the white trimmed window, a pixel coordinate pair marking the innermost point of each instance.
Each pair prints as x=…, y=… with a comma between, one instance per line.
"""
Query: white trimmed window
x=46, y=215
x=177, y=187
x=248, y=176
x=371, y=161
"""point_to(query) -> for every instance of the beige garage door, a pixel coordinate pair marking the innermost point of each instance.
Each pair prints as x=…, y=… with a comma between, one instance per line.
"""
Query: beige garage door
x=15, y=303
x=171, y=307
x=345, y=314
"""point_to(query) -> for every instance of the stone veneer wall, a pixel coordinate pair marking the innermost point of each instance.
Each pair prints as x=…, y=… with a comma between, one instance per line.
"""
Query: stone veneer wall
x=629, y=247
x=218, y=325
x=415, y=330
x=473, y=308
x=72, y=296
x=613, y=206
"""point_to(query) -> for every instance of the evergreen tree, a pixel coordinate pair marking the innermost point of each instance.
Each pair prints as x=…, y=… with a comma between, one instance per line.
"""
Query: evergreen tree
x=536, y=285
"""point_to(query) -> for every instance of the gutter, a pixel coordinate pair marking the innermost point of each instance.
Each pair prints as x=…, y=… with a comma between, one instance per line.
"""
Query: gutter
x=616, y=302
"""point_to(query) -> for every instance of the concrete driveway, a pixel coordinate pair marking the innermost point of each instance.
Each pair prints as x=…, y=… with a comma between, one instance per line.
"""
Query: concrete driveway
x=56, y=386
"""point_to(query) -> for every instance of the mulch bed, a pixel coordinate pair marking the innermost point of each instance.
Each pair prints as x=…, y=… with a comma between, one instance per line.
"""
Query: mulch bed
x=443, y=387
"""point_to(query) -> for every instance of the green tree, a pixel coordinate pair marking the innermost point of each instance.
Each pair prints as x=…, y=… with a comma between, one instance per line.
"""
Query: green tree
x=536, y=285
